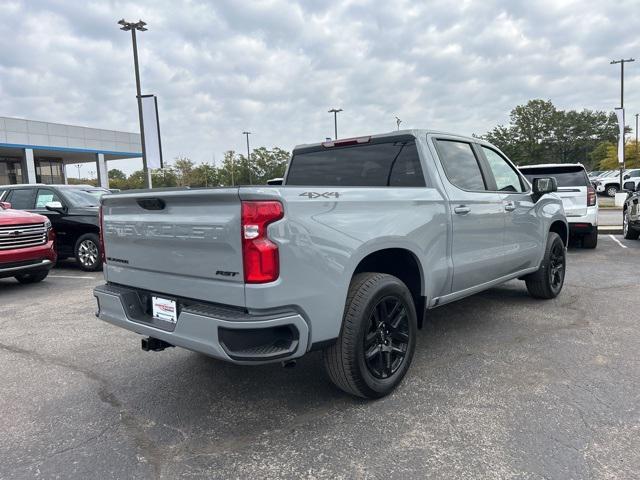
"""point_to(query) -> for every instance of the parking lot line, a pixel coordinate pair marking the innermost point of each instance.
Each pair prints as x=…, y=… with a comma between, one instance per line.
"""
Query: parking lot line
x=617, y=241
x=71, y=276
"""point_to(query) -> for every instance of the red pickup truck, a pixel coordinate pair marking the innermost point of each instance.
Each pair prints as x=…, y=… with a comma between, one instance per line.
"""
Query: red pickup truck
x=26, y=245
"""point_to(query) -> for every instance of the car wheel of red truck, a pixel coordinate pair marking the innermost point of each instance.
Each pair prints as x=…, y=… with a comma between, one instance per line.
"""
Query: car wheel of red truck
x=32, y=277
x=88, y=252
x=378, y=337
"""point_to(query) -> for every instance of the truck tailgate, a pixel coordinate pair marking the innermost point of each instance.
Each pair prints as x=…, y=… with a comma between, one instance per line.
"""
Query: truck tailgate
x=183, y=243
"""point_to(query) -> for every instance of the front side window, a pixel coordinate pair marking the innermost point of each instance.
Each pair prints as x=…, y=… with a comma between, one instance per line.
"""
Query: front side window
x=45, y=196
x=460, y=165
x=507, y=179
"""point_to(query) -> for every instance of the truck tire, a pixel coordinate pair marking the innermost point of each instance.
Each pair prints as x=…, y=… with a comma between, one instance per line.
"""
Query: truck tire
x=627, y=230
x=378, y=337
x=590, y=240
x=547, y=282
x=611, y=190
x=87, y=252
x=32, y=277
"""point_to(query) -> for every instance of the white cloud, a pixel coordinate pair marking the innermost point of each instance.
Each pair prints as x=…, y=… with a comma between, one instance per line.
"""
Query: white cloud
x=275, y=67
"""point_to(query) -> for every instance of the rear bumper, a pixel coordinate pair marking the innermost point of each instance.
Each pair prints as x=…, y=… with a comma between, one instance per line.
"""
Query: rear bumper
x=225, y=333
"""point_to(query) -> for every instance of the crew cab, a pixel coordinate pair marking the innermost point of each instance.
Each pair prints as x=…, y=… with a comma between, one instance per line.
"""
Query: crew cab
x=578, y=198
x=26, y=245
x=363, y=237
x=73, y=212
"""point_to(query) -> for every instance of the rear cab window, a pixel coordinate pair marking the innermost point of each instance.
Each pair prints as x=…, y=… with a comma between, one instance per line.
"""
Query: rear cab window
x=381, y=163
x=569, y=176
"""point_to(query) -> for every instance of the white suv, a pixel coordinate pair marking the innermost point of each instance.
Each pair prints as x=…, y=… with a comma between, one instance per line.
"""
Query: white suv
x=578, y=197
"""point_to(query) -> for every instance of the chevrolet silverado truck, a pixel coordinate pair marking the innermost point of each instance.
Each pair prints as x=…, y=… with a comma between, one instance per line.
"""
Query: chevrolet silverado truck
x=362, y=238
x=26, y=245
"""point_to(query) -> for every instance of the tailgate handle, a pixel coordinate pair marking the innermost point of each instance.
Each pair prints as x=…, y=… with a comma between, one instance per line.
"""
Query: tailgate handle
x=151, y=203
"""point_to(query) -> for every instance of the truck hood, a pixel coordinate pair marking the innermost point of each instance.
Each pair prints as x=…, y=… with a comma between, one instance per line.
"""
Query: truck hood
x=18, y=217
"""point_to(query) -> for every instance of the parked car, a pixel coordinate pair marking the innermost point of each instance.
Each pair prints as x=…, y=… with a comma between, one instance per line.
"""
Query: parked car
x=631, y=211
x=578, y=198
x=26, y=245
x=363, y=237
x=611, y=183
x=73, y=212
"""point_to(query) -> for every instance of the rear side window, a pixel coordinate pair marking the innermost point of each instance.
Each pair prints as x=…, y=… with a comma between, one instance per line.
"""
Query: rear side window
x=394, y=164
x=460, y=165
x=566, y=176
x=21, y=199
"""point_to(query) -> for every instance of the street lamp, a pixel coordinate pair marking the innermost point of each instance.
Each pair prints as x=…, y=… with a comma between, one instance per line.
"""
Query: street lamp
x=398, y=122
x=622, y=62
x=335, y=112
x=139, y=26
x=248, y=156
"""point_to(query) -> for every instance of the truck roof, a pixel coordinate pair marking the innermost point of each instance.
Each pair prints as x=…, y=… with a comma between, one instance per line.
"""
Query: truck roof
x=395, y=133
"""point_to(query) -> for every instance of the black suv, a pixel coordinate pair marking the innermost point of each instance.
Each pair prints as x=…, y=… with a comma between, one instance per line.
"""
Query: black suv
x=73, y=211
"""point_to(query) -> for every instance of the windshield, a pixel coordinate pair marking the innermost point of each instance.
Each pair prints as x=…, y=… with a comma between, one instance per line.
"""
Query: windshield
x=83, y=198
x=566, y=176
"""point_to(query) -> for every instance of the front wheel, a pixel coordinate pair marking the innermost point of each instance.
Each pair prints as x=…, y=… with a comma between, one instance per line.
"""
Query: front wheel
x=612, y=190
x=628, y=232
x=88, y=252
x=378, y=337
x=547, y=282
x=32, y=277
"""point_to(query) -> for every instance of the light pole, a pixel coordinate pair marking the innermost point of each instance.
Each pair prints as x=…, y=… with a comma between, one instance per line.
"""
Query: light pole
x=637, y=135
x=141, y=26
x=398, y=122
x=622, y=62
x=248, y=156
x=335, y=112
x=79, y=166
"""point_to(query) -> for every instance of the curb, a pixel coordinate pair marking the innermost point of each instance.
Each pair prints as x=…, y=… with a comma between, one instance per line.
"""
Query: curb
x=609, y=229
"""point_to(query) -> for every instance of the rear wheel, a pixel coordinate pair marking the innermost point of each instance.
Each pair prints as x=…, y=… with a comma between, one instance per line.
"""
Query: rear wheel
x=612, y=190
x=590, y=240
x=88, y=252
x=628, y=231
x=378, y=337
x=32, y=277
x=547, y=282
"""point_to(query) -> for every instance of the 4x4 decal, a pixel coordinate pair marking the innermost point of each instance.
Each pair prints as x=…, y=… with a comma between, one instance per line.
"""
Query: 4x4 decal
x=320, y=195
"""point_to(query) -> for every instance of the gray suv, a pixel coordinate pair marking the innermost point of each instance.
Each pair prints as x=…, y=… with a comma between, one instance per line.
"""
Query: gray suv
x=348, y=256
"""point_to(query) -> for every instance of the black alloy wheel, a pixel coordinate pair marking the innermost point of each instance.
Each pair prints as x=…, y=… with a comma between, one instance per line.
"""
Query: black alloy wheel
x=387, y=339
x=556, y=266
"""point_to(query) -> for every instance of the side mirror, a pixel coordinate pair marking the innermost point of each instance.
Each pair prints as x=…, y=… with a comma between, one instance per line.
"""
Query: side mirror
x=5, y=205
x=55, y=207
x=629, y=186
x=626, y=176
x=544, y=185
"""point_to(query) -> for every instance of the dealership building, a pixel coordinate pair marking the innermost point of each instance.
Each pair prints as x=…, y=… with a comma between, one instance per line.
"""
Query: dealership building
x=37, y=152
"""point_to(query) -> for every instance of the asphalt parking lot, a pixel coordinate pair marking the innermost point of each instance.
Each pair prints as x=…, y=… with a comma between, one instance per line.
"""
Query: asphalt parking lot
x=502, y=386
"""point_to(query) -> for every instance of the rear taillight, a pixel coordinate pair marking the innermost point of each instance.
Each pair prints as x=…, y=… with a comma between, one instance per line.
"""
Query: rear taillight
x=101, y=234
x=259, y=254
x=591, y=196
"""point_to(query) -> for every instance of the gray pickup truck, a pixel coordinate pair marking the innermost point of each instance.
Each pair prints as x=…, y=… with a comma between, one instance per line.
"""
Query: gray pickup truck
x=364, y=236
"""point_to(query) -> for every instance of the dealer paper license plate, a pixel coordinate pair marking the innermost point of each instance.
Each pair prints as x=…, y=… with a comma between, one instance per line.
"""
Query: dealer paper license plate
x=164, y=309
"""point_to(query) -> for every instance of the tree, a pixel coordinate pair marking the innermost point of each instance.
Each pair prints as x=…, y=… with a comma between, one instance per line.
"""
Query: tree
x=631, y=158
x=183, y=168
x=540, y=133
x=204, y=175
x=115, y=174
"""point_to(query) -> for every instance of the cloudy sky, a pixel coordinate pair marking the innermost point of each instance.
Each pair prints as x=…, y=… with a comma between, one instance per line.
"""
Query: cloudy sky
x=275, y=67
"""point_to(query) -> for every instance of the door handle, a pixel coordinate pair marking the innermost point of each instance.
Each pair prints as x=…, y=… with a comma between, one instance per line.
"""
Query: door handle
x=462, y=209
x=510, y=206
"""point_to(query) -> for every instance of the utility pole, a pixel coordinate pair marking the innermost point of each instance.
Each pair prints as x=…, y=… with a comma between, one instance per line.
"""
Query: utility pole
x=79, y=166
x=637, y=134
x=248, y=156
x=622, y=62
x=141, y=26
x=335, y=112
x=398, y=122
